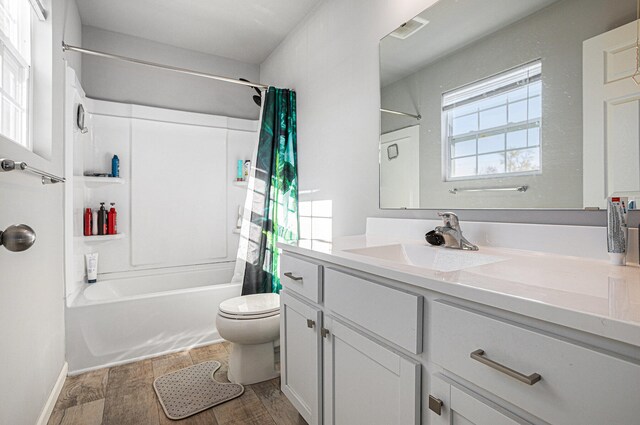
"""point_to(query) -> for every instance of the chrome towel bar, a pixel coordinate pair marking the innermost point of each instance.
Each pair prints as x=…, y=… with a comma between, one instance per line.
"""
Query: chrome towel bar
x=47, y=178
x=523, y=188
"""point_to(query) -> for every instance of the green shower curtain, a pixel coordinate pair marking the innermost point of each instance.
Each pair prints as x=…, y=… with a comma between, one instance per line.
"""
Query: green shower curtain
x=274, y=214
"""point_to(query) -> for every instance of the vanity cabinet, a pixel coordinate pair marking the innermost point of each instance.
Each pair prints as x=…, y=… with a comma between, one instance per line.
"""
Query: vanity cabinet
x=366, y=382
x=300, y=356
x=335, y=373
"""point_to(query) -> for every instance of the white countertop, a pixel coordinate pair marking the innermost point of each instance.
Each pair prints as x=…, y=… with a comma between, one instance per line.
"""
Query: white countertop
x=581, y=293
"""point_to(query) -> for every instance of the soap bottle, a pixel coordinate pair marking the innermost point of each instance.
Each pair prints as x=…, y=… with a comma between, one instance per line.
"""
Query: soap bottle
x=112, y=220
x=88, y=225
x=102, y=220
x=115, y=166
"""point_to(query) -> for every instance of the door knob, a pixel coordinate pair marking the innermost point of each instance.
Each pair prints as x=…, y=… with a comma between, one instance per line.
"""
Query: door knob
x=18, y=238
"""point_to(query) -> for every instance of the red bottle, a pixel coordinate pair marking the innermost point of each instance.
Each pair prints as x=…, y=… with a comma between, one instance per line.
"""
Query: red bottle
x=112, y=220
x=88, y=222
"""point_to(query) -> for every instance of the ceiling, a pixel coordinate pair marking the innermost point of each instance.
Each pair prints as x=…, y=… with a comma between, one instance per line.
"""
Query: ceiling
x=452, y=25
x=244, y=30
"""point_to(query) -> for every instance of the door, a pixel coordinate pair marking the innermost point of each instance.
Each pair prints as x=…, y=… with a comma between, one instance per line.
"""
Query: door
x=461, y=407
x=611, y=117
x=366, y=383
x=400, y=168
x=32, y=281
x=300, y=356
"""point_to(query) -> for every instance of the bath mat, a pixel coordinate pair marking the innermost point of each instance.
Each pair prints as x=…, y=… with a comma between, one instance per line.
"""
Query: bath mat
x=193, y=389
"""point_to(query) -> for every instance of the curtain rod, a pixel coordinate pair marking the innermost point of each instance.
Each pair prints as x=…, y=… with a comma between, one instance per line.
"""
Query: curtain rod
x=389, y=111
x=66, y=47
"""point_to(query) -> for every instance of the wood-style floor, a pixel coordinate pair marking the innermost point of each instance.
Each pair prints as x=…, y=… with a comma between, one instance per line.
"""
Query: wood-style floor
x=124, y=395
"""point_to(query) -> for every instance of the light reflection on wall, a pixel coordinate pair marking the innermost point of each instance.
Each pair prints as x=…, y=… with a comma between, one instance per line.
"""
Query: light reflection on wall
x=316, y=223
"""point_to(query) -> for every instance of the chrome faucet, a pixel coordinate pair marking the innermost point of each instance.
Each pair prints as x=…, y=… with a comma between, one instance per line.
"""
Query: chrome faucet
x=452, y=233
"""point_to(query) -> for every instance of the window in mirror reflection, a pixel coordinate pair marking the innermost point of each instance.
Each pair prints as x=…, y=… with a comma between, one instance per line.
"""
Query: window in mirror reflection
x=492, y=127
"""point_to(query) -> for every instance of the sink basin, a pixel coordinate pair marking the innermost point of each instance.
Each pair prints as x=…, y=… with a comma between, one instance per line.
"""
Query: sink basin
x=428, y=257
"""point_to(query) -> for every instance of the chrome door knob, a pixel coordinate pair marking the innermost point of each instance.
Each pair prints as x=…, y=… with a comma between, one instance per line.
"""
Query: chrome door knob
x=18, y=238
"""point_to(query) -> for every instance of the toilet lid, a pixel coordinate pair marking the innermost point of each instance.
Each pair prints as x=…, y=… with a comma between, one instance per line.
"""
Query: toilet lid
x=250, y=305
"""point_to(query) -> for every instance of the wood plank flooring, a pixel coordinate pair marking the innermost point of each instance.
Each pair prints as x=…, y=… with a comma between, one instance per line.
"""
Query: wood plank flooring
x=124, y=395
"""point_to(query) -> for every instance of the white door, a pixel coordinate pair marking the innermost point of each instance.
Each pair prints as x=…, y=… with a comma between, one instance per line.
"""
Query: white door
x=300, y=356
x=400, y=168
x=460, y=407
x=611, y=117
x=366, y=383
x=32, y=281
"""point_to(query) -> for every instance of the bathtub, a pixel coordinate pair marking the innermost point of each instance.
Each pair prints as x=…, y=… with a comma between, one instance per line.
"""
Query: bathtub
x=122, y=320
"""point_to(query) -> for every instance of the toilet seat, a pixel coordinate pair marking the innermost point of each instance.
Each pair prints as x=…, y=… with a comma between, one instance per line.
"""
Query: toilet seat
x=250, y=307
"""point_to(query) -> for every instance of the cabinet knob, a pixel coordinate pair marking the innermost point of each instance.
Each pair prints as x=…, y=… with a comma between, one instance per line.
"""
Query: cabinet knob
x=311, y=323
x=324, y=332
x=435, y=405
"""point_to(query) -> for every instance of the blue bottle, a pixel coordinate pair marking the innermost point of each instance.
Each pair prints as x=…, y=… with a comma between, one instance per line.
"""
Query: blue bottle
x=115, y=166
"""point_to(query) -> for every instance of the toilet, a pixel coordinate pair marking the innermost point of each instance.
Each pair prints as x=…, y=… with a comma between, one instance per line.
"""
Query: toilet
x=252, y=324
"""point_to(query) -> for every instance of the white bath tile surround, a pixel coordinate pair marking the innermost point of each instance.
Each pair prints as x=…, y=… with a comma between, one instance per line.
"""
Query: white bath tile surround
x=115, y=129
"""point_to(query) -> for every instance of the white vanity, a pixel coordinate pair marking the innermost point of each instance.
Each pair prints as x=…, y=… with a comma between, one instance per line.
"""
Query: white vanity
x=388, y=330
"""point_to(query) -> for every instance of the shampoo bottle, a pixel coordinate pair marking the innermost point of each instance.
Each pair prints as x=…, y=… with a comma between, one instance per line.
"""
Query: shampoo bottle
x=111, y=220
x=102, y=220
x=88, y=225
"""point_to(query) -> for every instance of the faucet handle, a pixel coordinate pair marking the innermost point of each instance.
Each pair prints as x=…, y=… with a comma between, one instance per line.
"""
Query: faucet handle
x=449, y=218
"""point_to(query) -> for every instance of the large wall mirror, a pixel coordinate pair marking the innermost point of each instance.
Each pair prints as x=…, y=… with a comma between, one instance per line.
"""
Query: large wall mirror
x=511, y=104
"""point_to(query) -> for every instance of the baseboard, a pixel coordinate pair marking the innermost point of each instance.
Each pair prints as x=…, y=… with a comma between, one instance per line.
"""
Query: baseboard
x=53, y=397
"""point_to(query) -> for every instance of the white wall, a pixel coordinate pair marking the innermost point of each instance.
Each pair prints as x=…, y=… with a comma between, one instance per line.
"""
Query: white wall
x=32, y=351
x=113, y=80
x=331, y=60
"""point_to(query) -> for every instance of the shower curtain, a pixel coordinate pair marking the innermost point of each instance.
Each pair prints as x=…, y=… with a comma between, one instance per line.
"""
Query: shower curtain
x=271, y=209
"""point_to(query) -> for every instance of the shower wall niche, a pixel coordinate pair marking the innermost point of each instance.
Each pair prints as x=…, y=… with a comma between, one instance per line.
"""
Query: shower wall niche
x=176, y=202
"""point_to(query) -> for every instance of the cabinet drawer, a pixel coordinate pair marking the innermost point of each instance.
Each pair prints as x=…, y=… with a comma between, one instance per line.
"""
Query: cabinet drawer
x=390, y=313
x=576, y=385
x=301, y=277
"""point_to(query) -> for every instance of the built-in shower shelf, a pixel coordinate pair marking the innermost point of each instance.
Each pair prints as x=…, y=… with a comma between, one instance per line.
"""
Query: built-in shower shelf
x=93, y=182
x=101, y=238
x=242, y=183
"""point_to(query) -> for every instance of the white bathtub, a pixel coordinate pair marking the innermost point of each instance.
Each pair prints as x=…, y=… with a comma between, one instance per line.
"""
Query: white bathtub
x=122, y=320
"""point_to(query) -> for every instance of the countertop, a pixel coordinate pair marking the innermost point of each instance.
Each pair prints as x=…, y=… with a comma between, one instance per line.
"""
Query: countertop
x=584, y=294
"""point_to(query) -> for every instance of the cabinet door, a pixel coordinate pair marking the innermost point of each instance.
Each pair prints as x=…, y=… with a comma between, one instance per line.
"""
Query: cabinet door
x=365, y=382
x=462, y=407
x=300, y=356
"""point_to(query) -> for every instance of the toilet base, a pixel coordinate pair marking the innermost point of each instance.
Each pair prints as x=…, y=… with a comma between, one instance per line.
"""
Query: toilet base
x=249, y=364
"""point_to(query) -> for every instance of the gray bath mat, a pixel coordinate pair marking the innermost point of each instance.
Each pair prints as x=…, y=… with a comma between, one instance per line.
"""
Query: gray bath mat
x=193, y=389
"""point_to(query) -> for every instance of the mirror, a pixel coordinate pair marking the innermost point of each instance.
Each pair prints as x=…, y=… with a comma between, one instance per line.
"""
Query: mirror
x=482, y=105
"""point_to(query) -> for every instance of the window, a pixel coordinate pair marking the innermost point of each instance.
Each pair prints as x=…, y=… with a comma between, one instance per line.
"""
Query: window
x=492, y=127
x=315, y=223
x=15, y=64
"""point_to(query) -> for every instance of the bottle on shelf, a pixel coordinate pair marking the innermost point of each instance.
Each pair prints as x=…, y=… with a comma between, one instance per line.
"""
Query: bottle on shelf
x=94, y=223
x=112, y=220
x=102, y=220
x=115, y=166
x=88, y=222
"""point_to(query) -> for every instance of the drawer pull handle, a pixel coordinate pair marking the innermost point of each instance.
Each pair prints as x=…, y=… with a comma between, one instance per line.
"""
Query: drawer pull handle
x=435, y=405
x=324, y=332
x=292, y=276
x=478, y=355
x=311, y=323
